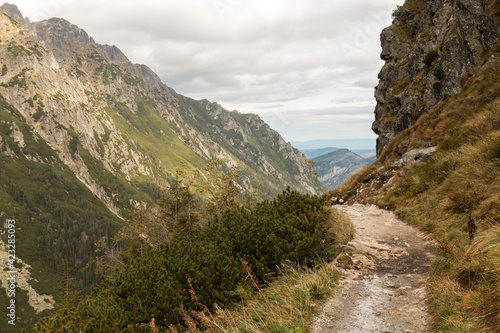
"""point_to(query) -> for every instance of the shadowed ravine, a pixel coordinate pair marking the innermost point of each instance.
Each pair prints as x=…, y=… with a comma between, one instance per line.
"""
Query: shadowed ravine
x=383, y=286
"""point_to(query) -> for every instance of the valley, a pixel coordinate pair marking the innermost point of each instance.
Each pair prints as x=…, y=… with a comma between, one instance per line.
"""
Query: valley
x=87, y=138
x=130, y=207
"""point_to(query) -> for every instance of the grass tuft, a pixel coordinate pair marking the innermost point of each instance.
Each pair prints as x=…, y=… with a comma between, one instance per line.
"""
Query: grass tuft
x=287, y=305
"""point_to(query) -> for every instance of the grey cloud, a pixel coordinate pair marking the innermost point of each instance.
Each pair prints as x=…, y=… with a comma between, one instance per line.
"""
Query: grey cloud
x=366, y=83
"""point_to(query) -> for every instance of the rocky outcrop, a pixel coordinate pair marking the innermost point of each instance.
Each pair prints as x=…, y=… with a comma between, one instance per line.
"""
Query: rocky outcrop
x=430, y=51
x=417, y=156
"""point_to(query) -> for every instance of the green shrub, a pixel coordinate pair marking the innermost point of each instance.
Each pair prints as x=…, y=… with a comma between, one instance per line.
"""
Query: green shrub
x=73, y=145
x=430, y=57
x=208, y=263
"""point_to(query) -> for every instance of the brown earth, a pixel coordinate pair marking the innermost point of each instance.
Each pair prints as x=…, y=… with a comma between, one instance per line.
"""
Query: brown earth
x=385, y=269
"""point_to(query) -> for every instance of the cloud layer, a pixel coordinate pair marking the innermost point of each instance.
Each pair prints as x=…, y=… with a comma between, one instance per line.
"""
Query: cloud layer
x=306, y=67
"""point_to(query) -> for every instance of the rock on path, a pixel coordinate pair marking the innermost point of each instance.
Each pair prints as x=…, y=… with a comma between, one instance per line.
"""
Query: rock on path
x=384, y=278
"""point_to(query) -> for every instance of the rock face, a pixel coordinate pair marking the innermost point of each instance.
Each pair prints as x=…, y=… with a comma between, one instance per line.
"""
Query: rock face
x=417, y=155
x=430, y=51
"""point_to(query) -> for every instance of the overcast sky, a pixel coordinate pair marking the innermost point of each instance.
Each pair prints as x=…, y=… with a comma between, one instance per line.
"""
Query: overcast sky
x=308, y=68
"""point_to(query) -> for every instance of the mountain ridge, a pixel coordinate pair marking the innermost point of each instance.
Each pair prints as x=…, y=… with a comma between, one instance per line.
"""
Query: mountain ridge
x=68, y=53
x=351, y=144
x=335, y=167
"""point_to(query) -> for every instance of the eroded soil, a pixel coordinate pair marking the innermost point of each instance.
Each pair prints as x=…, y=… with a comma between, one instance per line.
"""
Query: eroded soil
x=384, y=277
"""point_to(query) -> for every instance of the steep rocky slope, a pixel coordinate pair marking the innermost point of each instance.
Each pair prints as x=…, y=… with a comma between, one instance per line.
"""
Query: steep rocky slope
x=431, y=50
x=87, y=99
x=86, y=137
x=438, y=117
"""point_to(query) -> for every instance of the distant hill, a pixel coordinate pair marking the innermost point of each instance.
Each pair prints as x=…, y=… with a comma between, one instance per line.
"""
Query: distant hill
x=366, y=153
x=337, y=165
x=351, y=144
x=312, y=153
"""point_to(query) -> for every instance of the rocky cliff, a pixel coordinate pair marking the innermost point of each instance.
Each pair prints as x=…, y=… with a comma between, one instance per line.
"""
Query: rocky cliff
x=430, y=51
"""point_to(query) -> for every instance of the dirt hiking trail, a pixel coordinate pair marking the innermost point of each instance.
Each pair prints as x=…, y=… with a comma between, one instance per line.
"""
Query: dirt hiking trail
x=383, y=286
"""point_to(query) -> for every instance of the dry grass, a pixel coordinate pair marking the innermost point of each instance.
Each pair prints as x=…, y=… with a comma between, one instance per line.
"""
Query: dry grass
x=342, y=228
x=359, y=177
x=417, y=6
x=287, y=305
x=484, y=258
x=467, y=297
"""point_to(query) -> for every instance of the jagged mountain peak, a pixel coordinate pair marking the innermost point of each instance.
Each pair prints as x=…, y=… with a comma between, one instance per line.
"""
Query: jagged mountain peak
x=14, y=13
x=95, y=78
x=62, y=34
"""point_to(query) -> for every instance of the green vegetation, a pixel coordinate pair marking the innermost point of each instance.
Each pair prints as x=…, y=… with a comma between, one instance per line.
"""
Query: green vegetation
x=430, y=57
x=17, y=50
x=396, y=12
x=19, y=80
x=59, y=219
x=143, y=129
x=36, y=50
x=39, y=114
x=235, y=254
x=73, y=142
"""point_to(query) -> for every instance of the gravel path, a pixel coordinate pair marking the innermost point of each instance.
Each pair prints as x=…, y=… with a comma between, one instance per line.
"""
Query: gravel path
x=383, y=286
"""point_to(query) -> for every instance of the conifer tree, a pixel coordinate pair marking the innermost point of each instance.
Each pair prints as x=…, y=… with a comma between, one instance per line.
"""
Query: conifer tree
x=70, y=295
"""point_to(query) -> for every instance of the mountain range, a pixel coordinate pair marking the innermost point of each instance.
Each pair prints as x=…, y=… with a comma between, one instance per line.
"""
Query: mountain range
x=351, y=144
x=87, y=138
